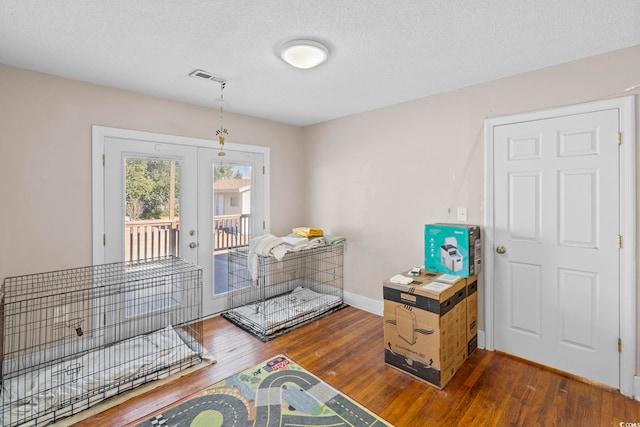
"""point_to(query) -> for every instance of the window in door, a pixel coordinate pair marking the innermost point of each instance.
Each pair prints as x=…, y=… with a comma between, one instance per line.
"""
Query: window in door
x=231, y=223
x=152, y=208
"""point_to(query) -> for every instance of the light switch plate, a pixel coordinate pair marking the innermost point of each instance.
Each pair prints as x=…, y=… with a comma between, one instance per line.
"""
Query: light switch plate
x=462, y=214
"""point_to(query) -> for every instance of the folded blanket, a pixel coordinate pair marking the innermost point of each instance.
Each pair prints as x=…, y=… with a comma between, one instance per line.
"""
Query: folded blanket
x=277, y=247
x=295, y=241
x=308, y=232
x=314, y=242
x=262, y=245
x=334, y=240
x=294, y=244
x=265, y=245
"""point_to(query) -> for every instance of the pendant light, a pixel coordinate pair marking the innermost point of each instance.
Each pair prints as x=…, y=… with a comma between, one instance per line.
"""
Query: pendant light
x=222, y=132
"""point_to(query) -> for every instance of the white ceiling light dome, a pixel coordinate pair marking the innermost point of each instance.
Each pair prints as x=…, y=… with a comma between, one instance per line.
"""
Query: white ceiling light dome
x=304, y=53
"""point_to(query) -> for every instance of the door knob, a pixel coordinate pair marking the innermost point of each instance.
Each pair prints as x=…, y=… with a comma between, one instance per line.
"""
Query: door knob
x=193, y=245
x=501, y=249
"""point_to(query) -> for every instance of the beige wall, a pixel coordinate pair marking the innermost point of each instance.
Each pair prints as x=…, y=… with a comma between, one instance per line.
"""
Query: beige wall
x=45, y=162
x=378, y=177
x=375, y=177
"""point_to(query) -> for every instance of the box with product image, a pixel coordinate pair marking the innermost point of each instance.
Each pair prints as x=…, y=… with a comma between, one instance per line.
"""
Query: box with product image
x=425, y=326
x=453, y=249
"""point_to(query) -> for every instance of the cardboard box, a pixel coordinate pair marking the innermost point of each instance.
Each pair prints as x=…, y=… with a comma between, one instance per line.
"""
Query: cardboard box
x=472, y=315
x=453, y=249
x=434, y=377
x=425, y=326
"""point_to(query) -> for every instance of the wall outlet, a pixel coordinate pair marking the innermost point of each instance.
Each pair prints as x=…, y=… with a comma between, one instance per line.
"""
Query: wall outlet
x=462, y=214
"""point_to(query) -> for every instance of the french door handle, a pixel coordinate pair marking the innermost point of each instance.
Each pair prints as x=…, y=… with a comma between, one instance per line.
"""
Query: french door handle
x=501, y=249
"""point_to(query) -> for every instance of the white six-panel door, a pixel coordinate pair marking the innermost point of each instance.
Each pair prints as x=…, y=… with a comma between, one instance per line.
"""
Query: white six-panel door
x=556, y=266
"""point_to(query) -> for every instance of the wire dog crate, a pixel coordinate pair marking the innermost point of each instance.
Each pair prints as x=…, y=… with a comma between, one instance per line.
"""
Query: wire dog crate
x=75, y=337
x=284, y=294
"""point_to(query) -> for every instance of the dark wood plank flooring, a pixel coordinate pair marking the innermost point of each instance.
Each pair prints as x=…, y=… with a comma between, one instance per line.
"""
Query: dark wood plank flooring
x=345, y=349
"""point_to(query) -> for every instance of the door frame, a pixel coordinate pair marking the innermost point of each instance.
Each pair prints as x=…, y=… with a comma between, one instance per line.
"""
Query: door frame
x=627, y=211
x=98, y=136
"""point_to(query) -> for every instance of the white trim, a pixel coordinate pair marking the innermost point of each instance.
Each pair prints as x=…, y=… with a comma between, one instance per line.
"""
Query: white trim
x=371, y=305
x=636, y=387
x=97, y=194
x=628, y=326
x=487, y=239
x=98, y=136
x=628, y=218
x=482, y=339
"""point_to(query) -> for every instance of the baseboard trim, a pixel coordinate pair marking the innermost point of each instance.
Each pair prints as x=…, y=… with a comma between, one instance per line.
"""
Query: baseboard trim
x=482, y=343
x=371, y=305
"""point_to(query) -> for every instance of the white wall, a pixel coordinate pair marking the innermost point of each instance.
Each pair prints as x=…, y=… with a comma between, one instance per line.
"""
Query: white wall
x=378, y=177
x=375, y=177
x=45, y=162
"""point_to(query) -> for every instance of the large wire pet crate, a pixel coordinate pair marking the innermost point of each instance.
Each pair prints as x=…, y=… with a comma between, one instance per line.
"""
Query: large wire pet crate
x=75, y=337
x=284, y=294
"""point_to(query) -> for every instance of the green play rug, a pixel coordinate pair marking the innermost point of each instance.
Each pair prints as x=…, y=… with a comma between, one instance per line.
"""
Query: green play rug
x=276, y=392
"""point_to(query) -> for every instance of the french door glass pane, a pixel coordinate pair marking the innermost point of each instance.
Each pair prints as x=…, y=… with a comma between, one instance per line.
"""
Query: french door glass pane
x=152, y=217
x=231, y=216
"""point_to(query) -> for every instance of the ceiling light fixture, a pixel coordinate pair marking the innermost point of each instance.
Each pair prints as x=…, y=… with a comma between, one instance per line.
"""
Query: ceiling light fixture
x=304, y=53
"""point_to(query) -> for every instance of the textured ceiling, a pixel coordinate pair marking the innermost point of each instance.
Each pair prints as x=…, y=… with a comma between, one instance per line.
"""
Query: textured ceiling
x=381, y=52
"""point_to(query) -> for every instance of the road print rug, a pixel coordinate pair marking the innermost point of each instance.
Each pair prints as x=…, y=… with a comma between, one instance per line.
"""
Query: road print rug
x=276, y=392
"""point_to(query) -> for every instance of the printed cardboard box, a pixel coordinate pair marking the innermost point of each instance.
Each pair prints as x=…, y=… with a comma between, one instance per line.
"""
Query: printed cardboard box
x=453, y=249
x=425, y=327
x=472, y=315
x=434, y=377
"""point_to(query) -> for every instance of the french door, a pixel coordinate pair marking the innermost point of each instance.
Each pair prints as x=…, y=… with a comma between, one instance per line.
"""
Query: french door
x=166, y=195
x=227, y=186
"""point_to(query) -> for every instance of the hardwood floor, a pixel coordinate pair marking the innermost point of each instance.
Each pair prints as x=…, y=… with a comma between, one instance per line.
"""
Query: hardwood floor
x=345, y=349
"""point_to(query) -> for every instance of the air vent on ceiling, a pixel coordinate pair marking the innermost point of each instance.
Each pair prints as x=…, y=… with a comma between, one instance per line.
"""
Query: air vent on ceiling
x=202, y=74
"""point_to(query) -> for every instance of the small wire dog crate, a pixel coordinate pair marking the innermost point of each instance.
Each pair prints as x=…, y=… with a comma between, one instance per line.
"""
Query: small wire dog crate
x=284, y=294
x=75, y=337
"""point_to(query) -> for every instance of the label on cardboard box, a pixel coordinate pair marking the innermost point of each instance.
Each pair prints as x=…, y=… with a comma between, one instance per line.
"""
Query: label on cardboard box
x=436, y=287
x=420, y=302
x=448, y=278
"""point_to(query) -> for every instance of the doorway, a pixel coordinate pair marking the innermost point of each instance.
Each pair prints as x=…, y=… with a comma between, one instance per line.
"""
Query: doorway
x=559, y=197
x=158, y=195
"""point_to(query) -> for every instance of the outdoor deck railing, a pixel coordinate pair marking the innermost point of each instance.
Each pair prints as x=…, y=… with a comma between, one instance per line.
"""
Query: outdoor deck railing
x=230, y=231
x=151, y=238
x=155, y=238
